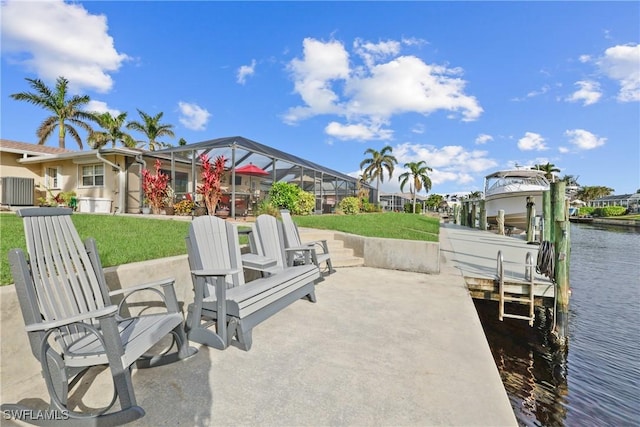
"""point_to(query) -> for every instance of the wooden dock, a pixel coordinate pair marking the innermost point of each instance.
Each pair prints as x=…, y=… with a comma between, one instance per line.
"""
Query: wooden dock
x=474, y=253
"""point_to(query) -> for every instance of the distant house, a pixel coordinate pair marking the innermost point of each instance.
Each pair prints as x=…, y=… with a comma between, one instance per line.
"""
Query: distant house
x=109, y=179
x=105, y=180
x=394, y=202
x=629, y=201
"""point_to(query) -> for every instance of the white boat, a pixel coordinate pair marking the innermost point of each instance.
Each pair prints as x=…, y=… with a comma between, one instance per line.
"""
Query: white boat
x=508, y=190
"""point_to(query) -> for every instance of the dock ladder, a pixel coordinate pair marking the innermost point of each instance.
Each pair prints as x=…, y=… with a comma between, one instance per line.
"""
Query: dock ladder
x=511, y=297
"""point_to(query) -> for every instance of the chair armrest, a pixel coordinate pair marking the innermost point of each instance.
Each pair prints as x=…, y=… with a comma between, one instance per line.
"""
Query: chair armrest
x=300, y=249
x=309, y=254
x=214, y=273
x=159, y=283
x=109, y=310
x=257, y=262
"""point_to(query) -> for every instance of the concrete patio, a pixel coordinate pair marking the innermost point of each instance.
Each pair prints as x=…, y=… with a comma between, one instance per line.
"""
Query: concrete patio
x=380, y=347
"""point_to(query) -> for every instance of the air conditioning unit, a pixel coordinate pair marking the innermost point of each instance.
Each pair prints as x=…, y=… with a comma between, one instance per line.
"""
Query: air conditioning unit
x=17, y=191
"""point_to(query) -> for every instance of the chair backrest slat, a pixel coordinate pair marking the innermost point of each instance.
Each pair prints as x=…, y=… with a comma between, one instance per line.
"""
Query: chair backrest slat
x=65, y=280
x=268, y=237
x=213, y=244
x=292, y=238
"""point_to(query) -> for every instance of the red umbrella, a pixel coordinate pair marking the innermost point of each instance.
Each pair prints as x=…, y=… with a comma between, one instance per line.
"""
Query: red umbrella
x=251, y=170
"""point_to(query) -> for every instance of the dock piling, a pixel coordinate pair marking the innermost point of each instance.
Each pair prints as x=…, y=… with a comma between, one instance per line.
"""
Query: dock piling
x=483, y=216
x=531, y=214
x=501, y=222
x=561, y=272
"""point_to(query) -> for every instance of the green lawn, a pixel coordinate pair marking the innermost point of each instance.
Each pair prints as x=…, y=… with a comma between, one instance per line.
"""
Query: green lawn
x=125, y=239
x=390, y=225
x=633, y=216
x=120, y=239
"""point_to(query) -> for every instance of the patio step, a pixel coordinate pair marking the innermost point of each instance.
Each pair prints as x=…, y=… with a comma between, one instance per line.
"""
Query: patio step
x=340, y=256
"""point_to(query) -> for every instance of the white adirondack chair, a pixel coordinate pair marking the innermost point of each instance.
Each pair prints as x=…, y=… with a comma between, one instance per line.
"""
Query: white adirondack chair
x=267, y=240
x=225, y=307
x=73, y=325
x=292, y=240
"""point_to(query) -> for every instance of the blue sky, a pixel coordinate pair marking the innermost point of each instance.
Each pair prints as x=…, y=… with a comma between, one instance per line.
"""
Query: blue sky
x=468, y=87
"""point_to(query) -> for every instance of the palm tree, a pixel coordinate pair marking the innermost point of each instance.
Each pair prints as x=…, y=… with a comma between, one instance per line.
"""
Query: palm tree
x=590, y=193
x=67, y=113
x=570, y=180
x=112, y=133
x=152, y=129
x=548, y=169
x=376, y=165
x=418, y=173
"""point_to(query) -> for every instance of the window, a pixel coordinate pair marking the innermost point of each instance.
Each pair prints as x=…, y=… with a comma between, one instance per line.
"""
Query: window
x=181, y=185
x=93, y=175
x=52, y=179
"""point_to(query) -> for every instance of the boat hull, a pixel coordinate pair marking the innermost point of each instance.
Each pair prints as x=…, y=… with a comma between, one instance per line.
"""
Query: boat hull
x=514, y=205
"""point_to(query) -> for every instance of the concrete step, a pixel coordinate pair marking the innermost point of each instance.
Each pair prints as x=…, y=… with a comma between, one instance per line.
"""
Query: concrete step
x=340, y=256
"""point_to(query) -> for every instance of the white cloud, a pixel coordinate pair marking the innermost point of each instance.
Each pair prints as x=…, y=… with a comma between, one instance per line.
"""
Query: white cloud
x=622, y=63
x=245, y=71
x=418, y=128
x=322, y=63
x=584, y=140
x=357, y=132
x=563, y=150
x=54, y=38
x=407, y=84
x=375, y=91
x=372, y=53
x=100, y=107
x=483, y=138
x=449, y=163
x=531, y=141
x=584, y=58
x=193, y=116
x=589, y=92
x=544, y=89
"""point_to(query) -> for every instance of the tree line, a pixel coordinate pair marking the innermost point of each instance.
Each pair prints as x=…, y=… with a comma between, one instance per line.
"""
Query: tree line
x=68, y=116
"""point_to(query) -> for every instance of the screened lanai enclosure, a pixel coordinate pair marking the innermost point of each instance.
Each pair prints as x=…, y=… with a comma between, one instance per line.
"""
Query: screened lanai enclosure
x=251, y=170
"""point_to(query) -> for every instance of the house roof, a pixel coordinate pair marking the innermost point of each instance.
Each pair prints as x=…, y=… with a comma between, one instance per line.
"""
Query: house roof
x=32, y=149
x=41, y=153
x=252, y=147
x=612, y=198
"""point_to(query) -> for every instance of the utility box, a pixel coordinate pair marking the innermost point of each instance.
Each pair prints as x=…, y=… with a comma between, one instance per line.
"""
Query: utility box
x=17, y=191
x=94, y=205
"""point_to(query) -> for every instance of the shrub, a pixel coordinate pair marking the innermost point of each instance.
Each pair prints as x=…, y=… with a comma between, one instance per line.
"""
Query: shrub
x=210, y=189
x=306, y=203
x=265, y=207
x=586, y=210
x=408, y=208
x=610, y=211
x=67, y=197
x=365, y=206
x=349, y=205
x=284, y=195
x=155, y=187
x=184, y=207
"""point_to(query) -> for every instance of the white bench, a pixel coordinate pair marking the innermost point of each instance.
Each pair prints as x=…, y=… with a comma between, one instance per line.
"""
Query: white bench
x=224, y=305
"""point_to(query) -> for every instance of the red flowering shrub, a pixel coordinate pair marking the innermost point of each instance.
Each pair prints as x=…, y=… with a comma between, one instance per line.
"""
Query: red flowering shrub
x=211, y=175
x=155, y=187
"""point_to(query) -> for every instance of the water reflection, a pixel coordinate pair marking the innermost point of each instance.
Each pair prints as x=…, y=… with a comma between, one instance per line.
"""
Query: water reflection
x=533, y=370
x=596, y=381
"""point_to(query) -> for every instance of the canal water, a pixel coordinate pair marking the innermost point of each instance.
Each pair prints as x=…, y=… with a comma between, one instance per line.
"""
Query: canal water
x=596, y=381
